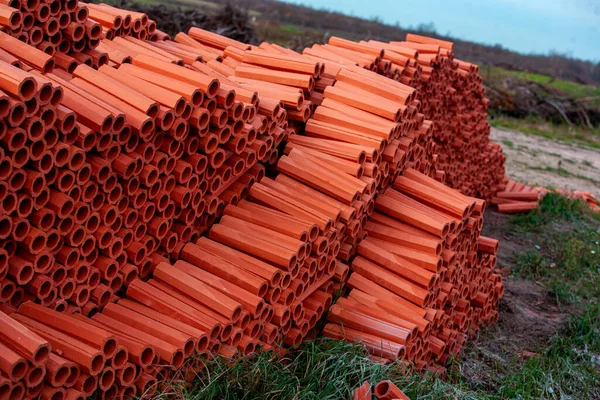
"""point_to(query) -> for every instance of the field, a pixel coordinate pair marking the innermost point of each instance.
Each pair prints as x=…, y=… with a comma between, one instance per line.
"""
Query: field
x=569, y=88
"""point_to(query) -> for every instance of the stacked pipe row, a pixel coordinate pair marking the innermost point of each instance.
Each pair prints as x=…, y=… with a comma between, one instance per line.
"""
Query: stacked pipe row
x=52, y=26
x=116, y=22
x=32, y=126
x=276, y=73
x=372, y=91
x=155, y=154
x=448, y=92
x=272, y=114
x=367, y=125
x=116, y=354
x=297, y=222
x=423, y=279
x=364, y=130
x=346, y=66
x=314, y=160
x=26, y=360
x=454, y=97
x=516, y=197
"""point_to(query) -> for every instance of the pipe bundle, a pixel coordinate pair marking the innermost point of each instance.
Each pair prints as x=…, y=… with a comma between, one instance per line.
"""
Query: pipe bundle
x=135, y=162
x=30, y=364
x=517, y=197
x=53, y=27
x=116, y=22
x=199, y=195
x=423, y=278
x=33, y=180
x=330, y=157
x=447, y=92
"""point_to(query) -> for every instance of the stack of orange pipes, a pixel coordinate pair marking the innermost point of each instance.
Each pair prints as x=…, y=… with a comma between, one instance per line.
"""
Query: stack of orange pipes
x=114, y=185
x=274, y=71
x=423, y=278
x=117, y=354
x=33, y=122
x=516, y=197
x=448, y=93
x=26, y=360
x=116, y=22
x=138, y=159
x=52, y=26
x=340, y=70
x=270, y=115
x=366, y=137
x=318, y=157
x=57, y=356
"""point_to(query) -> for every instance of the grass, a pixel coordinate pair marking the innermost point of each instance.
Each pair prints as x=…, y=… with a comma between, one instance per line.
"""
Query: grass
x=571, y=89
x=566, y=256
x=560, y=132
x=292, y=29
x=566, y=369
x=554, y=208
x=587, y=163
x=321, y=369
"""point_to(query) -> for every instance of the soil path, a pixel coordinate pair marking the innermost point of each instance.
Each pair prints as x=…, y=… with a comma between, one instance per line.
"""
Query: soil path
x=529, y=316
x=545, y=162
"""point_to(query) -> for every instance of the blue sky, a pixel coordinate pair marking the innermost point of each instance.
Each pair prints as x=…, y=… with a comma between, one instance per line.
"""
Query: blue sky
x=528, y=26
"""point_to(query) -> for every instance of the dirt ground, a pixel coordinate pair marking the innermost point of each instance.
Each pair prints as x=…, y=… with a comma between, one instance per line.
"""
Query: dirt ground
x=545, y=162
x=529, y=316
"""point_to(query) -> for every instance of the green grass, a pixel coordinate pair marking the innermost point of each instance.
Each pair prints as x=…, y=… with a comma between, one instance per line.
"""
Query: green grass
x=287, y=28
x=587, y=163
x=566, y=369
x=561, y=132
x=322, y=369
x=553, y=207
x=566, y=256
x=571, y=89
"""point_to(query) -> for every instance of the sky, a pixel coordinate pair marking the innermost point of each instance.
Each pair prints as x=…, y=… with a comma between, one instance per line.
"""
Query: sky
x=570, y=27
